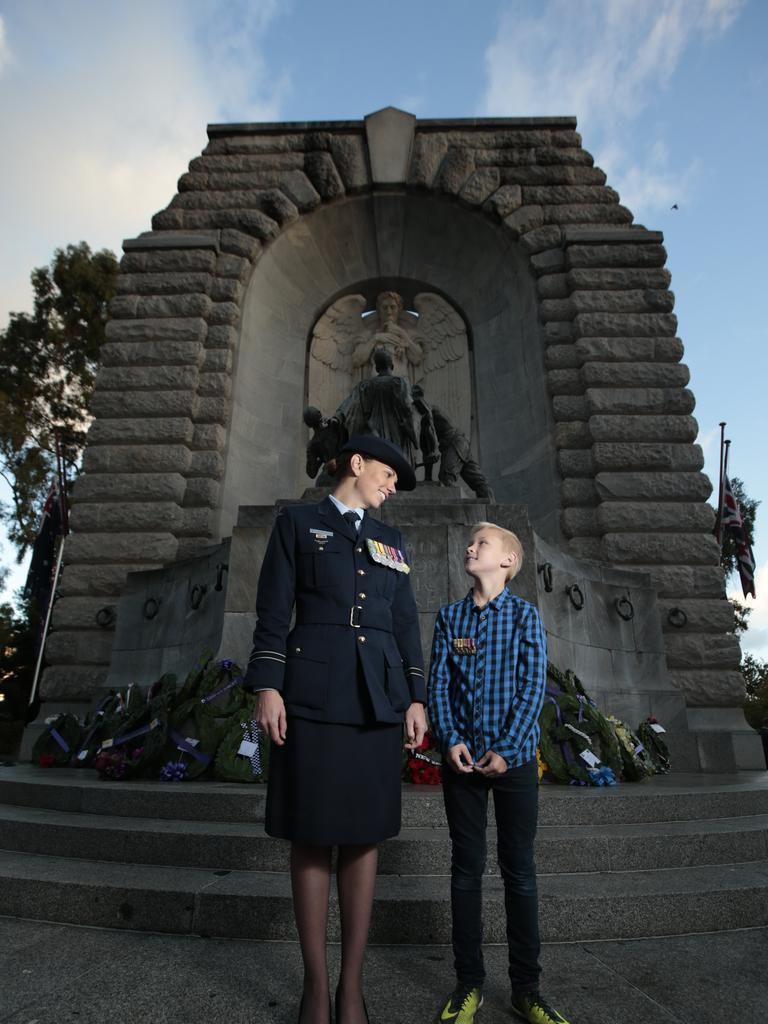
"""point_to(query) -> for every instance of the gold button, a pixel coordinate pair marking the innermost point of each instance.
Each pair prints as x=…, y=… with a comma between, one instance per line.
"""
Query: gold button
x=361, y=595
x=298, y=650
x=359, y=550
x=361, y=572
x=361, y=639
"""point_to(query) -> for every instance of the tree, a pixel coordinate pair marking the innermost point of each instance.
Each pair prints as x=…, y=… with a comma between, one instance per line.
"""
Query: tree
x=755, y=672
x=48, y=365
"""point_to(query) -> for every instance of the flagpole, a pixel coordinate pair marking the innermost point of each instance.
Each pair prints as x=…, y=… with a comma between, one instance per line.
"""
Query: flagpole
x=721, y=483
x=61, y=476
x=47, y=623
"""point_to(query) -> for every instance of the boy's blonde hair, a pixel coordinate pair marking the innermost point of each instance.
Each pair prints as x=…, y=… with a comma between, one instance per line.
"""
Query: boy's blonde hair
x=511, y=542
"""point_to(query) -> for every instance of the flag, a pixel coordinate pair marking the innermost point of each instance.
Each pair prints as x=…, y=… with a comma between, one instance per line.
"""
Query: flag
x=41, y=567
x=733, y=523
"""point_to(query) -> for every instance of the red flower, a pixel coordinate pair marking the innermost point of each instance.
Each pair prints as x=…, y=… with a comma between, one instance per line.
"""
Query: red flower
x=47, y=761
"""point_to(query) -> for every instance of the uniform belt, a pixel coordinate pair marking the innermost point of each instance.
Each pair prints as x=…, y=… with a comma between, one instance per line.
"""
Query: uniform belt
x=357, y=616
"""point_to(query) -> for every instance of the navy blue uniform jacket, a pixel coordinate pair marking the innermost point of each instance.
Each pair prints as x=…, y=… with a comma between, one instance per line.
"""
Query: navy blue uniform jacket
x=354, y=653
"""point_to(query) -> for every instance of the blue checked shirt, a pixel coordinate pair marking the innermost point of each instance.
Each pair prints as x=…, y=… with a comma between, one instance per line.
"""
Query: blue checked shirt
x=489, y=700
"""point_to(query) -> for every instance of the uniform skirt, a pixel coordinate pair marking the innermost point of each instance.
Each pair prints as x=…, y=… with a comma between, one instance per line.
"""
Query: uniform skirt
x=335, y=784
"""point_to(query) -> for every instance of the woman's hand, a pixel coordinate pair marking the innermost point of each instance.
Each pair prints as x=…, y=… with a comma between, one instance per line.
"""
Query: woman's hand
x=415, y=726
x=270, y=714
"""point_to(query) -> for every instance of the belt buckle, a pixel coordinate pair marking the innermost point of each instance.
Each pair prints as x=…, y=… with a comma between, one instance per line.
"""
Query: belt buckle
x=352, y=610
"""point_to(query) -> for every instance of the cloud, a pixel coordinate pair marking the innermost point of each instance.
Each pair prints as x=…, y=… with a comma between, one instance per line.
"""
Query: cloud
x=107, y=106
x=602, y=62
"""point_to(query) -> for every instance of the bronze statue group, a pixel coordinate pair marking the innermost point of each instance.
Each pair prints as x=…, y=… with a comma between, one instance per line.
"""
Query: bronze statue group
x=338, y=677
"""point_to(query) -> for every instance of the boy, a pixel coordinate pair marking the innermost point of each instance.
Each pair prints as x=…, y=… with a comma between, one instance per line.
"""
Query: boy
x=486, y=689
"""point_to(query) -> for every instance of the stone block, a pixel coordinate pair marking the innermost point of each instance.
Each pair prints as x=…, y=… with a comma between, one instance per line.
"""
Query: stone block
x=585, y=547
x=196, y=522
x=224, y=314
x=565, y=382
x=713, y=615
x=169, y=283
x=111, y=548
x=480, y=185
x=625, y=324
x=215, y=384
x=150, y=487
x=669, y=549
x=208, y=436
x=553, y=286
x=668, y=580
x=704, y=688
x=673, y=428
x=583, y=213
x=207, y=464
x=562, y=357
x=625, y=455
x=249, y=221
x=98, y=580
x=551, y=261
x=664, y=517
x=212, y=410
x=129, y=404
x=144, y=378
x=575, y=462
x=147, y=458
x=72, y=683
x=563, y=155
x=217, y=360
x=525, y=219
x=641, y=350
x=702, y=650
x=155, y=330
x=635, y=300
x=172, y=306
x=556, y=309
x=349, y=155
x=530, y=173
x=542, y=238
x=580, y=522
x=79, y=647
x=202, y=492
x=650, y=401
x=140, y=431
x=150, y=353
x=300, y=190
x=222, y=336
x=236, y=267
x=557, y=332
x=578, y=491
x=80, y=612
x=504, y=201
x=572, y=195
x=637, y=255
x=636, y=375
x=120, y=517
x=456, y=168
x=169, y=261
x=226, y=290
x=653, y=486
x=240, y=244
x=570, y=407
x=123, y=307
x=574, y=434
x=427, y=155
x=322, y=172
x=619, y=279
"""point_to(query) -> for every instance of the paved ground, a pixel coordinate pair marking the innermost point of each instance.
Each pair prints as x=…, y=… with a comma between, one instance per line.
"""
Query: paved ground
x=58, y=974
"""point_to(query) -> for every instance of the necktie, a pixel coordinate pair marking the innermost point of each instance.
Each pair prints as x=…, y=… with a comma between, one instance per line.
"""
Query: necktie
x=352, y=518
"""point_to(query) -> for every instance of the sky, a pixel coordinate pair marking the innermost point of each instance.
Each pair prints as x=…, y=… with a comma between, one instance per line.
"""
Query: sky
x=102, y=106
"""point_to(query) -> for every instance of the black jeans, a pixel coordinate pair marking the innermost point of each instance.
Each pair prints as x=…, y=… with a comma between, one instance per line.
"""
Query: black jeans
x=516, y=801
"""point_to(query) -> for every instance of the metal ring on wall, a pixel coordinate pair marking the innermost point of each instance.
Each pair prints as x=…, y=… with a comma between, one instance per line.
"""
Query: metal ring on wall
x=625, y=603
x=151, y=607
x=196, y=595
x=105, y=617
x=577, y=598
x=221, y=568
x=676, y=617
x=546, y=571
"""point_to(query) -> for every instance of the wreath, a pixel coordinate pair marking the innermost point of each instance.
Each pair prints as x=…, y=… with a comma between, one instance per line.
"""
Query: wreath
x=423, y=766
x=220, y=692
x=191, y=684
x=231, y=766
x=636, y=762
x=58, y=741
x=655, y=745
x=183, y=757
x=133, y=753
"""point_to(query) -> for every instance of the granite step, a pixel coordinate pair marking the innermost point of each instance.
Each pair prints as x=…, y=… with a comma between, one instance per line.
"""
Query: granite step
x=416, y=851
x=414, y=909
x=678, y=797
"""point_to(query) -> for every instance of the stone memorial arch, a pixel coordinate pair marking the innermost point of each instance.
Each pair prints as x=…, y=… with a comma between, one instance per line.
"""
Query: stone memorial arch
x=568, y=369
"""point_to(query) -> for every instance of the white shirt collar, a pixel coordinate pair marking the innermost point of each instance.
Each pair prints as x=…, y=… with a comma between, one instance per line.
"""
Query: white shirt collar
x=345, y=508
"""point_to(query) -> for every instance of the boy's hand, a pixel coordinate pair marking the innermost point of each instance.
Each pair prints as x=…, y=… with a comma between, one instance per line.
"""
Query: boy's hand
x=460, y=759
x=491, y=764
x=415, y=726
x=270, y=714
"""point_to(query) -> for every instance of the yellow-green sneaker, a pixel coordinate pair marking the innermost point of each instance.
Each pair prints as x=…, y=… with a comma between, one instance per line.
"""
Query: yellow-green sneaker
x=531, y=1007
x=463, y=1003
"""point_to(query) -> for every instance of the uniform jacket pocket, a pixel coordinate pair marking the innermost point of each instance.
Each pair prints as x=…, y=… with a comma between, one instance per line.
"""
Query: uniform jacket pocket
x=397, y=688
x=306, y=678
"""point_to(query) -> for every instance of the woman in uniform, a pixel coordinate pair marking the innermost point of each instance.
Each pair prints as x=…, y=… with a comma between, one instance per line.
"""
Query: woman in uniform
x=333, y=694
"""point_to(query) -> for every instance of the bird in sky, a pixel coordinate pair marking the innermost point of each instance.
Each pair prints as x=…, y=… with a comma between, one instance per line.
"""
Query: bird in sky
x=674, y=206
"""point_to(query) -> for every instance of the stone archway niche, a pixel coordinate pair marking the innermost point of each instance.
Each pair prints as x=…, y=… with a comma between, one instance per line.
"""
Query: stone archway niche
x=341, y=249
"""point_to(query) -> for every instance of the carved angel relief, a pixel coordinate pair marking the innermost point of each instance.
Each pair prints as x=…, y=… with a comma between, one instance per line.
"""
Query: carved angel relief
x=428, y=346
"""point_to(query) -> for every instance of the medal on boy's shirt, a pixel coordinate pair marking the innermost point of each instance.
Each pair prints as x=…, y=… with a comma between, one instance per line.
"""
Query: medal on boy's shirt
x=385, y=554
x=465, y=645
